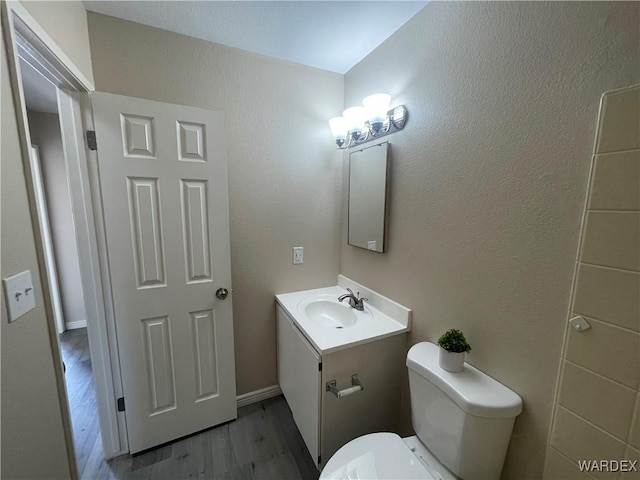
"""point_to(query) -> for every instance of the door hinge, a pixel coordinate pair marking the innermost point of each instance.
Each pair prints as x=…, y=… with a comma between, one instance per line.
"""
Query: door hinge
x=320, y=367
x=120, y=402
x=91, y=140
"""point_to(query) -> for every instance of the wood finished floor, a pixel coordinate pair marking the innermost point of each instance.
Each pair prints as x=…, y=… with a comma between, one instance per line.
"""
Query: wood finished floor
x=263, y=443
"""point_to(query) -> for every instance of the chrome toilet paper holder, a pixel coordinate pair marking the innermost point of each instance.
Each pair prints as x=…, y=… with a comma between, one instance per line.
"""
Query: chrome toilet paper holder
x=356, y=386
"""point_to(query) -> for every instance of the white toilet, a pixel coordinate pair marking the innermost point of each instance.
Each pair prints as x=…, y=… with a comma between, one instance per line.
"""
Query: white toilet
x=463, y=423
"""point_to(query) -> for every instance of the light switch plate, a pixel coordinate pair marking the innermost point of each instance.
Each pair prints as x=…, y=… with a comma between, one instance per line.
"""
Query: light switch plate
x=18, y=291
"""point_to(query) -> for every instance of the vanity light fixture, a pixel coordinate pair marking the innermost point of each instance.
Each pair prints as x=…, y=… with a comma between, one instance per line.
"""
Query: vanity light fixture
x=368, y=122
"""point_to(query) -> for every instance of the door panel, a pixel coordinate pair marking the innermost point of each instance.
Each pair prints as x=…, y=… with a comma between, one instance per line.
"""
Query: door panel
x=195, y=224
x=299, y=379
x=158, y=355
x=146, y=228
x=203, y=330
x=163, y=182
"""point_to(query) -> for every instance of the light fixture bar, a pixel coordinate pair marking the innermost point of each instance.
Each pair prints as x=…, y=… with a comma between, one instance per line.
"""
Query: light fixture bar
x=395, y=120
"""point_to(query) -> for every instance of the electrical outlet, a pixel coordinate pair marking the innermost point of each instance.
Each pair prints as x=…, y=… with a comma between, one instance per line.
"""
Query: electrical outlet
x=298, y=255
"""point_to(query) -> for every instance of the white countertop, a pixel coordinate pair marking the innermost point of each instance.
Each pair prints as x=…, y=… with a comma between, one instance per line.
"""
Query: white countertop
x=373, y=323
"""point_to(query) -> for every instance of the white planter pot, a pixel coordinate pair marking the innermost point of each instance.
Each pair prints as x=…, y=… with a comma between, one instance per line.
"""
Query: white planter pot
x=451, y=361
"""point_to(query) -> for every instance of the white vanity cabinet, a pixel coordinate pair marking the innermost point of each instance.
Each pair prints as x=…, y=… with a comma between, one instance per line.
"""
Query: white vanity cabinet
x=325, y=421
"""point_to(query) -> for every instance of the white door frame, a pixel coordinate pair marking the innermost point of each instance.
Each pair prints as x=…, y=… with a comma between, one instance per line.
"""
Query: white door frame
x=24, y=36
x=47, y=242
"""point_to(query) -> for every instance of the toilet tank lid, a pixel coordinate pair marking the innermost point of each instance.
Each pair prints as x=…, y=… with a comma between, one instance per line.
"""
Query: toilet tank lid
x=473, y=391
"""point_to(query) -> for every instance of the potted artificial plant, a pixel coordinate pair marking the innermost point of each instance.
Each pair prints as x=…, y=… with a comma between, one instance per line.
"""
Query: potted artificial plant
x=453, y=346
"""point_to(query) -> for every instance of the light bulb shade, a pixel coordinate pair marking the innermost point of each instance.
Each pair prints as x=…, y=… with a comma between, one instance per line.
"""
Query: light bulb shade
x=377, y=106
x=355, y=118
x=338, y=128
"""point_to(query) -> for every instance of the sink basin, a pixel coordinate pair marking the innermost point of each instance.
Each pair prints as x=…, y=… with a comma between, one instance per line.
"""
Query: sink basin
x=329, y=313
x=330, y=326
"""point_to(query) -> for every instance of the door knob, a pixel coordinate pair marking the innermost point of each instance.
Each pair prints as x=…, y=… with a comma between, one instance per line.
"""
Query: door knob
x=222, y=293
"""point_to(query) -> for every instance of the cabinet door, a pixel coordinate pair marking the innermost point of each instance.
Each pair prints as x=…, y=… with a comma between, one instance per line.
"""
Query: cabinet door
x=299, y=378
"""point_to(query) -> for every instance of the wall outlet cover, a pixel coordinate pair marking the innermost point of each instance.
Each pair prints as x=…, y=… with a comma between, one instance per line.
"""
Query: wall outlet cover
x=298, y=255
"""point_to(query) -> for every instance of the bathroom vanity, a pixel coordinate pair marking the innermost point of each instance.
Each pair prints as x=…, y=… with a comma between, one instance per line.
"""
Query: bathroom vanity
x=340, y=369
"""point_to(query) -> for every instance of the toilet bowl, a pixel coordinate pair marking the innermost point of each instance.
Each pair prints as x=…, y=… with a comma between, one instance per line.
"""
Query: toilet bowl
x=463, y=423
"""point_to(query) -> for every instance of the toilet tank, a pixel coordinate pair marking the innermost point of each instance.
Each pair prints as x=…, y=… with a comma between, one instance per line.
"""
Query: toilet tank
x=465, y=419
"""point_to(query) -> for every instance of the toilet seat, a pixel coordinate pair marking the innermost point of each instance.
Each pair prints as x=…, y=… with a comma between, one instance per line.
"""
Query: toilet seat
x=376, y=456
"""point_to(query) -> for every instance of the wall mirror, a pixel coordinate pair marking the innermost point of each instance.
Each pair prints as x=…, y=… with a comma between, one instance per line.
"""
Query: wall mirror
x=368, y=187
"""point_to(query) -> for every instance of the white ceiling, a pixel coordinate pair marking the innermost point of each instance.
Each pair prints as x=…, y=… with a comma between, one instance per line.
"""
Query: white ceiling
x=332, y=35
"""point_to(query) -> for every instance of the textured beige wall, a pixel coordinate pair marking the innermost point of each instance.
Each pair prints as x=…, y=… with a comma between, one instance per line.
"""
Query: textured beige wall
x=33, y=440
x=31, y=416
x=45, y=133
x=285, y=175
x=488, y=180
x=597, y=410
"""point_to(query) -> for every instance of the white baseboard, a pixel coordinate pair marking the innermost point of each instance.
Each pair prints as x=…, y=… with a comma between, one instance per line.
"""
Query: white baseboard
x=258, y=395
x=76, y=324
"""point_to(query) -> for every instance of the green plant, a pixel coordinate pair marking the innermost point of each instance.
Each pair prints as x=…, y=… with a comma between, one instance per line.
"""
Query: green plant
x=453, y=341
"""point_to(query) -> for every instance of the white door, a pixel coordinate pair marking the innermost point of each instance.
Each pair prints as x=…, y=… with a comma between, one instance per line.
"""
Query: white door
x=163, y=179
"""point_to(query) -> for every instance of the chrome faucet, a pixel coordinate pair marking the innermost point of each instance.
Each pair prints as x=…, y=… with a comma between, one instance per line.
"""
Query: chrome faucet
x=355, y=301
